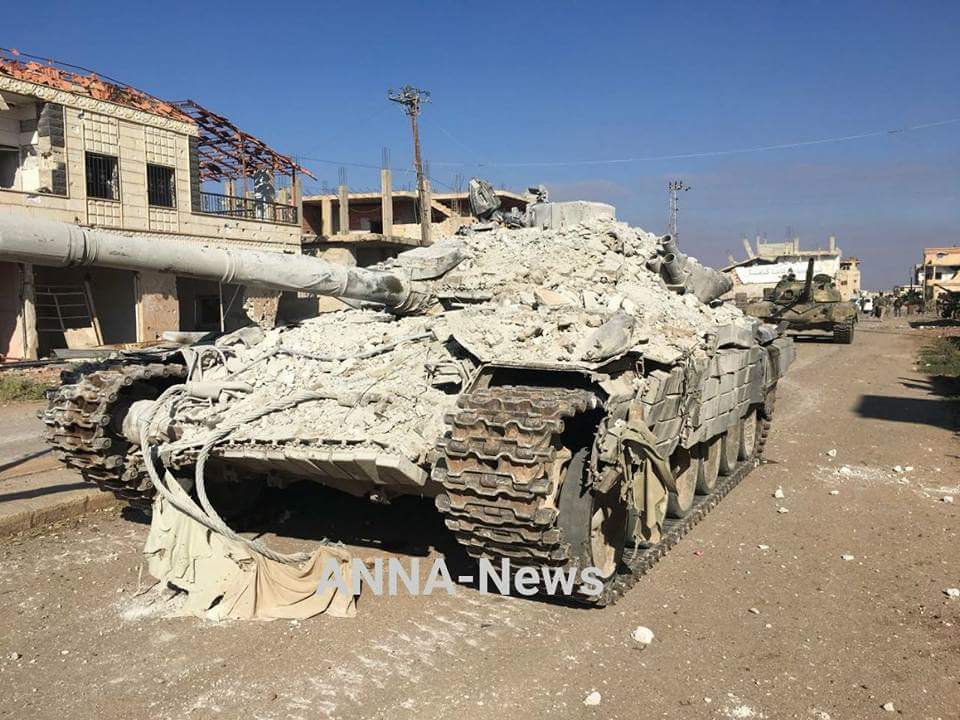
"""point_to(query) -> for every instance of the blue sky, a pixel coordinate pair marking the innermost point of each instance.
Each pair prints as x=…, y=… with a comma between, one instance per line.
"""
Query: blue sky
x=566, y=82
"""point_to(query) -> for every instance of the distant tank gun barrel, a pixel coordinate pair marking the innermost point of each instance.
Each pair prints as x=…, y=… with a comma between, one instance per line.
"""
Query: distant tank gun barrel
x=807, y=283
x=42, y=242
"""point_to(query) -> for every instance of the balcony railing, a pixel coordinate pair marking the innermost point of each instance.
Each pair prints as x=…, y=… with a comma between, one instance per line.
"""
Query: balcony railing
x=247, y=208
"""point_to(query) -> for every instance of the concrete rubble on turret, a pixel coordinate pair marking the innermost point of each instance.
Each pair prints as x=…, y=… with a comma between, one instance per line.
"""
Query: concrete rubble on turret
x=525, y=295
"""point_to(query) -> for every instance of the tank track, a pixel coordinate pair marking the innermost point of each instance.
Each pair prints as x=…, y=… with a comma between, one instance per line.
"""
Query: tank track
x=83, y=422
x=499, y=499
x=508, y=511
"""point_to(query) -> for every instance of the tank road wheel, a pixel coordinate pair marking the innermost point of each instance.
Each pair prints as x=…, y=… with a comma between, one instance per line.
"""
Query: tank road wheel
x=748, y=434
x=729, y=449
x=843, y=332
x=594, y=523
x=685, y=472
x=707, y=453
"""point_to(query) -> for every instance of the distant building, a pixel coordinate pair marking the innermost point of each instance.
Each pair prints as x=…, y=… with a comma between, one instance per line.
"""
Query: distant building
x=78, y=149
x=362, y=228
x=940, y=271
x=848, y=278
x=768, y=262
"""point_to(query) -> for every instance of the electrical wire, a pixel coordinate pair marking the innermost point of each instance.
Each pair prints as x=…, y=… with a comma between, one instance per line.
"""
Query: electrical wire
x=711, y=153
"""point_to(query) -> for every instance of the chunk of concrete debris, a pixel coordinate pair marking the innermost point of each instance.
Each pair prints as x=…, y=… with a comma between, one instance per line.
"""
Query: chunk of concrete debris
x=551, y=298
x=889, y=707
x=592, y=699
x=782, y=510
x=763, y=547
x=834, y=492
x=847, y=557
x=898, y=469
x=845, y=470
x=947, y=498
x=14, y=656
x=778, y=493
x=832, y=453
x=754, y=611
x=642, y=635
x=952, y=592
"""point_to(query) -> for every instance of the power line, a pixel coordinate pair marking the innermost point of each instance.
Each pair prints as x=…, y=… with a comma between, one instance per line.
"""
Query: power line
x=369, y=166
x=711, y=153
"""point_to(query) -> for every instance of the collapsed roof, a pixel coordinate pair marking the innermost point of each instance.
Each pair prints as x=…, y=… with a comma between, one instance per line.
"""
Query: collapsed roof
x=226, y=152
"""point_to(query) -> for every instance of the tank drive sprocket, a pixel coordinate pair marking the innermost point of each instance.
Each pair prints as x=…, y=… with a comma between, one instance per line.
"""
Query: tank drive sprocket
x=84, y=417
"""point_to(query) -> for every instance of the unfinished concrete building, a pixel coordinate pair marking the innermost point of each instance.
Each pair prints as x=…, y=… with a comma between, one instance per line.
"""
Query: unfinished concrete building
x=362, y=228
x=79, y=149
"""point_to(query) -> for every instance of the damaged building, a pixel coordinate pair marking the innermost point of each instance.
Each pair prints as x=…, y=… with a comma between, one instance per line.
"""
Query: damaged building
x=767, y=262
x=362, y=228
x=77, y=148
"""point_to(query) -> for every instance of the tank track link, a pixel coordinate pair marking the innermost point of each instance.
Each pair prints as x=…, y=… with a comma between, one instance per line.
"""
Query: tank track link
x=83, y=421
x=508, y=510
x=497, y=462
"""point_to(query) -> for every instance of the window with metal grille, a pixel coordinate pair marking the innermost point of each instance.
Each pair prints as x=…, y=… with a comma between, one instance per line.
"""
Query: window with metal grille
x=161, y=187
x=103, y=177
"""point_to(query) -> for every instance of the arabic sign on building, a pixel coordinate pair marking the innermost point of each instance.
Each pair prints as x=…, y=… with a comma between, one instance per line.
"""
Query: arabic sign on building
x=769, y=274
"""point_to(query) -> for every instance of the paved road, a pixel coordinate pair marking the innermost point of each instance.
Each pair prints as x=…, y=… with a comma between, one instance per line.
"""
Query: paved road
x=831, y=637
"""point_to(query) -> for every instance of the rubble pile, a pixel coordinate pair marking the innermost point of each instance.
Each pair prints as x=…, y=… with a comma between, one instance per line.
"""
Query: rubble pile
x=549, y=288
x=521, y=295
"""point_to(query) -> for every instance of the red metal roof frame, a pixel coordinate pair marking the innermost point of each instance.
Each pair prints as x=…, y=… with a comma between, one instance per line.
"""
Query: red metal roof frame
x=226, y=152
x=229, y=153
x=55, y=75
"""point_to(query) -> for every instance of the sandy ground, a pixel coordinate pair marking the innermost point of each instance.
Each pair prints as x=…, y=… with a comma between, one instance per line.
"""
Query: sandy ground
x=831, y=637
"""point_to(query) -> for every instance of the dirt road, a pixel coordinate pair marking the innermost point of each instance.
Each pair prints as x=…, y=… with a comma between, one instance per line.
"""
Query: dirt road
x=756, y=613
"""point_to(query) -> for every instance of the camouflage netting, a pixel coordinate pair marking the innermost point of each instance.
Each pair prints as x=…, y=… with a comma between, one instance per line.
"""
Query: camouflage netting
x=527, y=296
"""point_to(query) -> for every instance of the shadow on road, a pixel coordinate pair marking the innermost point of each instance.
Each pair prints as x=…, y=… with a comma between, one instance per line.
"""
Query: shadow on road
x=938, y=322
x=48, y=490
x=940, y=409
x=407, y=525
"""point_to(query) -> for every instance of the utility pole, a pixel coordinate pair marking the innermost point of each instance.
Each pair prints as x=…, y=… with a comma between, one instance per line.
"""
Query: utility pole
x=412, y=98
x=675, y=187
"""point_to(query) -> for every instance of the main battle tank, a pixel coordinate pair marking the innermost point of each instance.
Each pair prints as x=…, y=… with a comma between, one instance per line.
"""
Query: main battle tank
x=811, y=304
x=571, y=398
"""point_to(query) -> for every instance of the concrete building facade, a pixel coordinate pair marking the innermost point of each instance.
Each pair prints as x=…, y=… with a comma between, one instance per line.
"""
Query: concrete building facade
x=848, y=278
x=768, y=262
x=940, y=271
x=76, y=149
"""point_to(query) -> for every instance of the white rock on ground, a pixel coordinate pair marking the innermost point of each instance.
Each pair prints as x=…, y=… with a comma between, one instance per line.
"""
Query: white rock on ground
x=782, y=510
x=834, y=492
x=592, y=699
x=847, y=557
x=889, y=707
x=832, y=453
x=952, y=592
x=642, y=635
x=778, y=493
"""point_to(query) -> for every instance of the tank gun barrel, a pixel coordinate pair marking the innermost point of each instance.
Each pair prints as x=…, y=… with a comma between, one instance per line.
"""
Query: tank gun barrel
x=42, y=242
x=807, y=283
